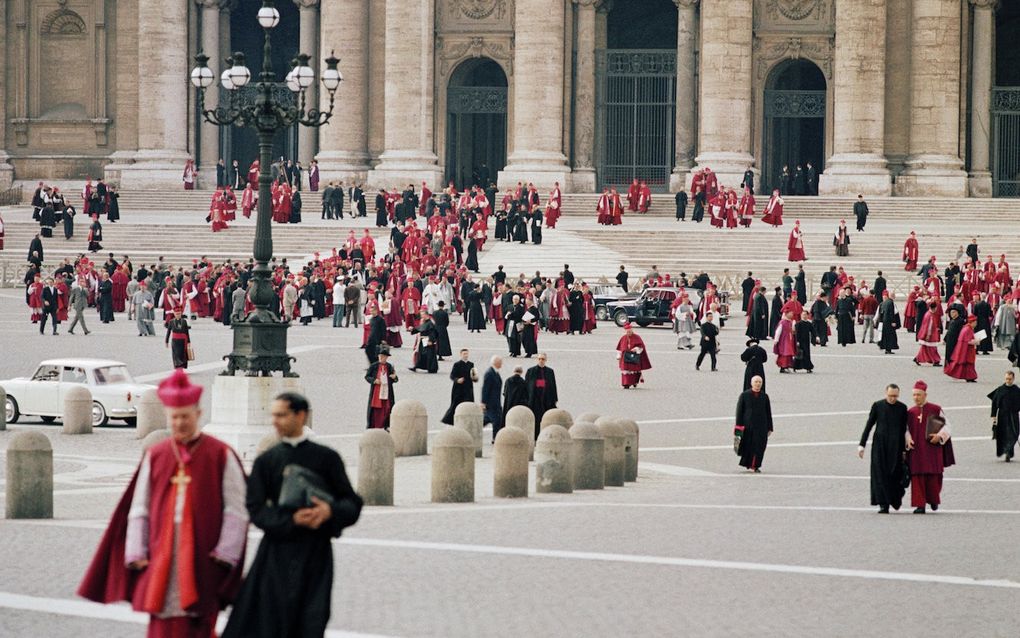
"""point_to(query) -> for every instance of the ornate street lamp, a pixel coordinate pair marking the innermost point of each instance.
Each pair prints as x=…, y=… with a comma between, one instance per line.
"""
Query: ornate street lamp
x=260, y=340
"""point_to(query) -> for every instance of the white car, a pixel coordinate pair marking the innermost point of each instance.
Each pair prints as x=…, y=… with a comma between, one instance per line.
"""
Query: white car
x=114, y=393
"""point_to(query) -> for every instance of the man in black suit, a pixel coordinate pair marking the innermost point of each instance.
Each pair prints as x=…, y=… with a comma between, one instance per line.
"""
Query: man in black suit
x=338, y=200
x=376, y=335
x=542, y=395
x=49, y=307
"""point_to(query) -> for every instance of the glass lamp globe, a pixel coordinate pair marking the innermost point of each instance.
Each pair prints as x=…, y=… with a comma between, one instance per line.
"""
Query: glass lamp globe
x=305, y=76
x=239, y=75
x=331, y=79
x=202, y=77
x=225, y=80
x=268, y=17
x=292, y=82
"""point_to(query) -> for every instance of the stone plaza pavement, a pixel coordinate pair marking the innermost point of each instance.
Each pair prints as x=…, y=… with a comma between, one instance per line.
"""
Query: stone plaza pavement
x=694, y=548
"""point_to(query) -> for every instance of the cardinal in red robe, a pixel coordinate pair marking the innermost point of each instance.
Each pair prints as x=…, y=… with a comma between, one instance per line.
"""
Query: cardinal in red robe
x=929, y=336
x=633, y=194
x=910, y=252
x=785, y=346
x=632, y=347
x=175, y=545
x=119, y=280
x=774, y=209
x=644, y=198
x=616, y=209
x=602, y=208
x=795, y=246
x=929, y=450
x=961, y=364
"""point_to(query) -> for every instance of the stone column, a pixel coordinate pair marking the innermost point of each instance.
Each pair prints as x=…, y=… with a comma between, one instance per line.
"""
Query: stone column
x=724, y=101
x=686, y=109
x=308, y=11
x=537, y=154
x=162, y=98
x=410, y=156
x=933, y=166
x=858, y=163
x=582, y=179
x=343, y=143
x=209, y=134
x=980, y=181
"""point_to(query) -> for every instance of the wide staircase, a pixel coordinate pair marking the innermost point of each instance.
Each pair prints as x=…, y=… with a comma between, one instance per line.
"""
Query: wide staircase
x=593, y=251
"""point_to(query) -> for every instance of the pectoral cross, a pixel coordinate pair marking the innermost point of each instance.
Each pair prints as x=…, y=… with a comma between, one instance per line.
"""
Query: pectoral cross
x=180, y=479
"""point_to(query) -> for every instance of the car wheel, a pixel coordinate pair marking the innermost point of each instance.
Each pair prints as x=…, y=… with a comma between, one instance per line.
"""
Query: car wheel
x=48, y=419
x=644, y=323
x=601, y=313
x=11, y=408
x=620, y=317
x=99, y=418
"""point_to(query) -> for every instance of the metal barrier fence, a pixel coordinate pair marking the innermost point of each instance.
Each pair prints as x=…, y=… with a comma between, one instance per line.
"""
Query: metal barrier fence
x=11, y=196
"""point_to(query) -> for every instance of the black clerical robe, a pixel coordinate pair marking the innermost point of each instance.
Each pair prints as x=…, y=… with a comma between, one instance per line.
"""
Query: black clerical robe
x=1006, y=412
x=758, y=326
x=463, y=390
x=515, y=392
x=542, y=394
x=889, y=421
x=288, y=589
x=754, y=358
x=753, y=425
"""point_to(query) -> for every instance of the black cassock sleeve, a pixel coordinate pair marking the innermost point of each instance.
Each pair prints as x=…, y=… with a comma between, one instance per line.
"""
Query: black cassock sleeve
x=274, y=521
x=768, y=410
x=872, y=420
x=347, y=506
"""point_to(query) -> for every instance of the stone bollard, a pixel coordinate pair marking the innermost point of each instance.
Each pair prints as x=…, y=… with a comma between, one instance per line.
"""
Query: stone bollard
x=77, y=410
x=633, y=438
x=453, y=467
x=554, y=470
x=375, y=467
x=29, y=476
x=151, y=415
x=152, y=438
x=587, y=417
x=615, y=456
x=470, y=418
x=3, y=415
x=409, y=426
x=588, y=457
x=556, y=416
x=510, y=464
x=522, y=418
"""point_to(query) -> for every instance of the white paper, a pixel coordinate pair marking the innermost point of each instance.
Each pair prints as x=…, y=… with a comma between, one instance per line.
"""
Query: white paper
x=980, y=335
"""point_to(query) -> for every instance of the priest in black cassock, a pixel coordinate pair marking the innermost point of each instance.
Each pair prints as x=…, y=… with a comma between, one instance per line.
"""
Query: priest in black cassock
x=542, y=395
x=1006, y=416
x=289, y=587
x=464, y=376
x=758, y=324
x=754, y=358
x=515, y=391
x=889, y=419
x=753, y=425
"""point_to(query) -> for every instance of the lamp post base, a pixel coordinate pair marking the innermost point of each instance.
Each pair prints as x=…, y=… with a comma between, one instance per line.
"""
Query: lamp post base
x=260, y=348
x=241, y=415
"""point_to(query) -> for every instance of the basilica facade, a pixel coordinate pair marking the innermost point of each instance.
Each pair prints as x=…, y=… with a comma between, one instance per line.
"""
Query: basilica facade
x=882, y=97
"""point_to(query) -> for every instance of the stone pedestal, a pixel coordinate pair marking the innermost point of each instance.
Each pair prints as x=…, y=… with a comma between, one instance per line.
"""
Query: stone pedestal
x=470, y=418
x=77, y=410
x=29, y=486
x=151, y=416
x=928, y=175
x=409, y=425
x=510, y=463
x=554, y=469
x=375, y=467
x=453, y=467
x=856, y=173
x=240, y=413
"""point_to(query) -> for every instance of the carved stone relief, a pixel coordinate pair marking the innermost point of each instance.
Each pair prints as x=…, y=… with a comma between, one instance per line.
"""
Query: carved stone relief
x=769, y=51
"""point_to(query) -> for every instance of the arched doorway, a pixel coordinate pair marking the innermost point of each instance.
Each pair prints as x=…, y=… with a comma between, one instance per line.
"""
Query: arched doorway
x=794, y=131
x=635, y=97
x=476, y=106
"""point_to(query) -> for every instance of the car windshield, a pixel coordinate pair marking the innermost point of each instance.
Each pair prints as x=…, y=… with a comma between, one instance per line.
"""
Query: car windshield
x=112, y=374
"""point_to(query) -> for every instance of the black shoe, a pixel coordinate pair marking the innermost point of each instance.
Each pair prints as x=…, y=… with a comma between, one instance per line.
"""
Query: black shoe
x=919, y=510
x=697, y=367
x=884, y=509
x=70, y=332
x=934, y=507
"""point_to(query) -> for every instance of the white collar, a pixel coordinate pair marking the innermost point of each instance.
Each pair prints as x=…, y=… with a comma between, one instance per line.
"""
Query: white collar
x=294, y=441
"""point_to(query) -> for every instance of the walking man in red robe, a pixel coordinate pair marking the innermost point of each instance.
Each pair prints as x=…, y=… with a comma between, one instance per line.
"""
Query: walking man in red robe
x=961, y=364
x=633, y=358
x=910, y=252
x=929, y=450
x=175, y=545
